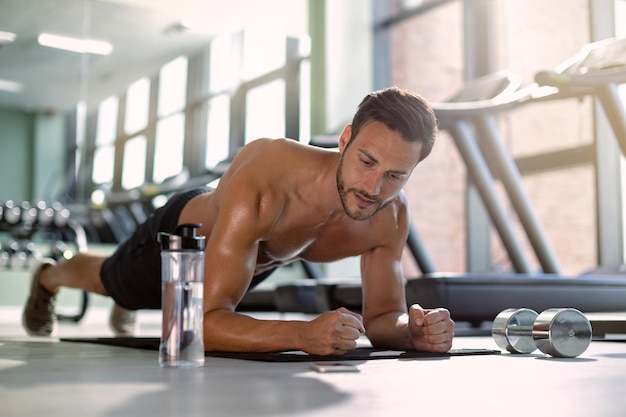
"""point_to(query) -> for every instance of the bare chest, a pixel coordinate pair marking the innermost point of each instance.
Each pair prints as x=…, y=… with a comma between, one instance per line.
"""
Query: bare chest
x=315, y=244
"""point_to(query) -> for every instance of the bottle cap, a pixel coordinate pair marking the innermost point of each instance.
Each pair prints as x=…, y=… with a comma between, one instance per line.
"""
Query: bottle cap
x=183, y=238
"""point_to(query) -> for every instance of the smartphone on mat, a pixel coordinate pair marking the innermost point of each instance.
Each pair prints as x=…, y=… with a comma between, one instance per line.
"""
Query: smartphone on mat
x=333, y=367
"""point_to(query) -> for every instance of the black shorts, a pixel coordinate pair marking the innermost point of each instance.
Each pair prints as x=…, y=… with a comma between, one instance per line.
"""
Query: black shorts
x=132, y=275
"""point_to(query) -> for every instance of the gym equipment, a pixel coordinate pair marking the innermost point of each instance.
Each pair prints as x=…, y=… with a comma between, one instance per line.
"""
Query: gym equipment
x=45, y=214
x=11, y=212
x=512, y=330
x=23, y=255
x=470, y=117
x=598, y=69
x=31, y=226
x=562, y=332
x=29, y=214
x=559, y=332
x=61, y=215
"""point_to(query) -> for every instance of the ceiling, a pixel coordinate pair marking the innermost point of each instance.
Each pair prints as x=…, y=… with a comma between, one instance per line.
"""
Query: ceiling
x=143, y=33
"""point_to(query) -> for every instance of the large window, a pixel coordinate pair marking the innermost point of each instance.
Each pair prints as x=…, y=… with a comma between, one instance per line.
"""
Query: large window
x=240, y=90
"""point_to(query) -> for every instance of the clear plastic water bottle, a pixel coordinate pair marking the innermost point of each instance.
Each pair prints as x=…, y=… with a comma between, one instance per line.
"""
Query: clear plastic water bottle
x=182, y=261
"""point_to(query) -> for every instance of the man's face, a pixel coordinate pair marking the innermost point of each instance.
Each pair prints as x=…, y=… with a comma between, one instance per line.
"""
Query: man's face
x=373, y=169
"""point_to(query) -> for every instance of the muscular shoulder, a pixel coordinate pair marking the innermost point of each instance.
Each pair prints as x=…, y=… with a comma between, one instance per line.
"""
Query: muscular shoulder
x=261, y=179
x=269, y=156
x=267, y=147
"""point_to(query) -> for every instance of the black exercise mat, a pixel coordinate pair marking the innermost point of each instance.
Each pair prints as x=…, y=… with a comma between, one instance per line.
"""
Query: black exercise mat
x=152, y=343
x=352, y=355
x=146, y=343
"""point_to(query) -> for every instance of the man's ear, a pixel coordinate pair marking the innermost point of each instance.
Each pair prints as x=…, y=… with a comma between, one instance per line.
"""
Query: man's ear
x=345, y=137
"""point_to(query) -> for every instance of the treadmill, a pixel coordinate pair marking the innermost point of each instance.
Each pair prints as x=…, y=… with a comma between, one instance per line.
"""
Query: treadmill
x=470, y=118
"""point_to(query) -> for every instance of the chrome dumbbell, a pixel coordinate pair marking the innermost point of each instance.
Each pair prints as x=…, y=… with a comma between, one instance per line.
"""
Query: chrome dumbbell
x=45, y=214
x=29, y=214
x=61, y=215
x=5, y=256
x=559, y=332
x=12, y=213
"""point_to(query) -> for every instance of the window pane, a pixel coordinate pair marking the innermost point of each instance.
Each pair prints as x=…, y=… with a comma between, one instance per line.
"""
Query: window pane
x=137, y=102
x=81, y=120
x=265, y=111
x=134, y=167
x=221, y=67
x=107, y=121
x=172, y=86
x=264, y=51
x=168, y=157
x=103, y=161
x=218, y=130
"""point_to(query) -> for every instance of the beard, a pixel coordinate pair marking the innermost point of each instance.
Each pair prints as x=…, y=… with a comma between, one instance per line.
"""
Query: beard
x=359, y=213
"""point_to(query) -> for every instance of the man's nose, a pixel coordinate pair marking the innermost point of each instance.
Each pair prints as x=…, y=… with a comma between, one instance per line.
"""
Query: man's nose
x=372, y=183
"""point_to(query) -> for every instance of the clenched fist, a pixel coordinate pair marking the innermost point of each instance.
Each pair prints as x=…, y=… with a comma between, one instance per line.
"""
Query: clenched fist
x=430, y=330
x=332, y=333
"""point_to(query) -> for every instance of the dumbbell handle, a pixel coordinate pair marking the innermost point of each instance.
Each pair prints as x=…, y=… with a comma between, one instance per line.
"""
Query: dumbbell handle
x=534, y=332
x=541, y=331
x=520, y=331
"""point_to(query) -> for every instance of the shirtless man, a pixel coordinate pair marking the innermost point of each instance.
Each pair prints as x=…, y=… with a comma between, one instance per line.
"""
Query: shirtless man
x=282, y=201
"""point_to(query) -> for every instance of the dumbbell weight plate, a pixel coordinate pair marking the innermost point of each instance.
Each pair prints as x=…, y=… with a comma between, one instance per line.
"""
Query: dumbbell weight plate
x=562, y=332
x=12, y=213
x=512, y=330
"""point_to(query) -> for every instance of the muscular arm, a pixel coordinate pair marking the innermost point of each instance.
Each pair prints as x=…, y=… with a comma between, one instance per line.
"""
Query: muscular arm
x=247, y=214
x=230, y=262
x=388, y=321
x=385, y=314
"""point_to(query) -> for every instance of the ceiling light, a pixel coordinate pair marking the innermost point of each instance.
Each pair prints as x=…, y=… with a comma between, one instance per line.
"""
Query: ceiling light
x=75, y=45
x=11, y=86
x=177, y=28
x=7, y=37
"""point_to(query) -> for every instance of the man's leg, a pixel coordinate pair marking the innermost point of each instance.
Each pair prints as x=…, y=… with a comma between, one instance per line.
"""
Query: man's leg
x=80, y=272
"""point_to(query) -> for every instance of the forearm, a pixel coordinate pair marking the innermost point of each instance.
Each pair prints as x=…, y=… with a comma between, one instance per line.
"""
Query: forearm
x=228, y=331
x=390, y=330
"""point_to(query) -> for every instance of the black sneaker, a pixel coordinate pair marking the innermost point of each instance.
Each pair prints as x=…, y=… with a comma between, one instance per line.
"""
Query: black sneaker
x=39, y=318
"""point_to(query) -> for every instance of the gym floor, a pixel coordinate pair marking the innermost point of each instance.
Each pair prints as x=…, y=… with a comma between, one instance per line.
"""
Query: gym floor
x=45, y=376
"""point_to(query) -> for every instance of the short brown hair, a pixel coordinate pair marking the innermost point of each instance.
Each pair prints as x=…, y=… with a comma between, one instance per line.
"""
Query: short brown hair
x=403, y=111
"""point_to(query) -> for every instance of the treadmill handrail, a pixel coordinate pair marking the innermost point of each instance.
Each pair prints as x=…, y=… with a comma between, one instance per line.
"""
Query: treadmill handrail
x=461, y=110
x=588, y=79
x=574, y=72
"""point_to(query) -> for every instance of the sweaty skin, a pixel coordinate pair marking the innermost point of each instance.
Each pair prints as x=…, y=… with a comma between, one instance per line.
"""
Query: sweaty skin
x=279, y=202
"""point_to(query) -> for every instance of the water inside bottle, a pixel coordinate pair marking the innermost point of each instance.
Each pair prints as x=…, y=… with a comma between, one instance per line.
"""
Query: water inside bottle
x=181, y=337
